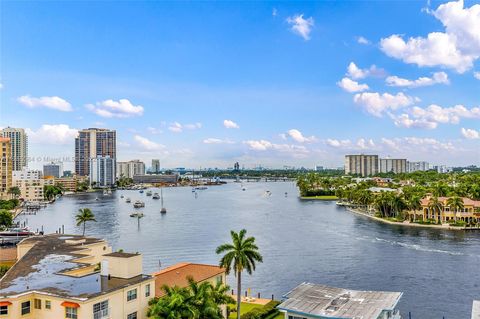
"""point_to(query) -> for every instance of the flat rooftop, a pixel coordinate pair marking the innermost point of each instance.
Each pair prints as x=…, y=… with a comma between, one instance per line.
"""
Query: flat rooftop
x=177, y=275
x=476, y=309
x=321, y=301
x=42, y=269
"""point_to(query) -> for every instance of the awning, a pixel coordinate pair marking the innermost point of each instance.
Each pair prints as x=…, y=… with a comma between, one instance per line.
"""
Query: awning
x=5, y=303
x=70, y=304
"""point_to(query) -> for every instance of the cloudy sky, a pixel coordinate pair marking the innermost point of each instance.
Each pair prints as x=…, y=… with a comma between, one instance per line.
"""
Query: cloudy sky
x=207, y=84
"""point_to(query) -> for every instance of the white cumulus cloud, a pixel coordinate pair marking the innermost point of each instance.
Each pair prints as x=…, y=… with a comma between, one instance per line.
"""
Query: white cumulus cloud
x=356, y=73
x=297, y=136
x=470, y=134
x=457, y=48
x=437, y=78
x=363, y=40
x=230, y=124
x=213, y=140
x=376, y=103
x=301, y=26
x=51, y=102
x=122, y=108
x=476, y=75
x=146, y=144
x=52, y=134
x=178, y=128
x=352, y=86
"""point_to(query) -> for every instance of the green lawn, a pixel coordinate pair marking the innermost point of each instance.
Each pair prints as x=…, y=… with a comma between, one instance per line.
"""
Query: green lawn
x=246, y=307
x=325, y=197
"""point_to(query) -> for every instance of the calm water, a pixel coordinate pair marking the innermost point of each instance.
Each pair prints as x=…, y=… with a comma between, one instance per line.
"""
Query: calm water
x=438, y=271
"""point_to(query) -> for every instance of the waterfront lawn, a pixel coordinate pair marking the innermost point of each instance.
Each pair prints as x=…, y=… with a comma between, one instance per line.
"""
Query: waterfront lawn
x=246, y=307
x=322, y=197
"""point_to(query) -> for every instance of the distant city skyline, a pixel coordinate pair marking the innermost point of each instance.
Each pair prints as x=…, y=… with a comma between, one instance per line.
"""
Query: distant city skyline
x=273, y=83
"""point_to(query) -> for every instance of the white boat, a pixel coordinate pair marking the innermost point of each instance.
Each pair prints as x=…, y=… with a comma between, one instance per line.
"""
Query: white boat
x=121, y=196
x=96, y=198
x=155, y=196
x=163, y=210
x=138, y=215
x=201, y=188
x=149, y=193
x=128, y=200
x=138, y=204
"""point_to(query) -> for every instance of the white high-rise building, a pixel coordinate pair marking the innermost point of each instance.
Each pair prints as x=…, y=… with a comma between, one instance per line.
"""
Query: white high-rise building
x=155, y=166
x=19, y=146
x=392, y=165
x=364, y=165
x=417, y=166
x=130, y=168
x=102, y=171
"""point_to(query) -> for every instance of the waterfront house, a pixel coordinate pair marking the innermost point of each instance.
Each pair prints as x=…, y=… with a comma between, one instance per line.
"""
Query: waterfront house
x=469, y=213
x=74, y=277
x=313, y=301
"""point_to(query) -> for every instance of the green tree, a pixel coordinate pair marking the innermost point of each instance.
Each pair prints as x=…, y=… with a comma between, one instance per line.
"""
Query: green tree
x=14, y=191
x=414, y=203
x=434, y=205
x=241, y=254
x=455, y=203
x=6, y=218
x=84, y=215
x=177, y=303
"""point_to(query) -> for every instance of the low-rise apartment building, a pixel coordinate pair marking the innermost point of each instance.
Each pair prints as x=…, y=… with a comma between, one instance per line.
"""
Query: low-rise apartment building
x=74, y=277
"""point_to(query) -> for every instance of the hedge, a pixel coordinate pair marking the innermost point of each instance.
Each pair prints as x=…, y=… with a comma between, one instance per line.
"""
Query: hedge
x=262, y=312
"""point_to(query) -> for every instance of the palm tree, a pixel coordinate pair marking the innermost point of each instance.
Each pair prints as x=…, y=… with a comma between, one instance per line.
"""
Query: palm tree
x=175, y=304
x=14, y=191
x=240, y=255
x=414, y=203
x=455, y=203
x=436, y=206
x=84, y=215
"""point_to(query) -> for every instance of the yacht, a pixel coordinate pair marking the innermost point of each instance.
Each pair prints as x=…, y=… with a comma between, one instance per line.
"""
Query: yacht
x=201, y=188
x=138, y=215
x=138, y=204
x=128, y=200
x=16, y=232
x=149, y=193
x=156, y=196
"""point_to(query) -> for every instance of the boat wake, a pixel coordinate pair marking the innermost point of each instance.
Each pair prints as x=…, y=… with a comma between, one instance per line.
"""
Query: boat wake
x=421, y=248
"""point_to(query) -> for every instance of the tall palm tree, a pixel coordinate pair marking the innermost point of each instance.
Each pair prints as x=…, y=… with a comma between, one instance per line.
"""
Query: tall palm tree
x=436, y=206
x=455, y=203
x=241, y=254
x=414, y=203
x=84, y=215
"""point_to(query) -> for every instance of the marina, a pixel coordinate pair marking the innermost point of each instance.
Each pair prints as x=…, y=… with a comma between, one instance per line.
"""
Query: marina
x=336, y=247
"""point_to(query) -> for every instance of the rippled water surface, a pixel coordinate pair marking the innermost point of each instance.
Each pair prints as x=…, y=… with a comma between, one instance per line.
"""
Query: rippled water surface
x=315, y=241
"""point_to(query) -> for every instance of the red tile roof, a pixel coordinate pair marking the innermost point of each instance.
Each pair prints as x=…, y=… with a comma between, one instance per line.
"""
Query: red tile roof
x=177, y=275
x=466, y=201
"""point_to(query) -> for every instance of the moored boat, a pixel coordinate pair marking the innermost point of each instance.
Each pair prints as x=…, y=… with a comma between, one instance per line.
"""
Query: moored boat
x=138, y=204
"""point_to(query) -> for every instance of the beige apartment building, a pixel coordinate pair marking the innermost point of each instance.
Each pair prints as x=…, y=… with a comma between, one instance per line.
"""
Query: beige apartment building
x=5, y=167
x=18, y=146
x=31, y=187
x=74, y=277
x=363, y=165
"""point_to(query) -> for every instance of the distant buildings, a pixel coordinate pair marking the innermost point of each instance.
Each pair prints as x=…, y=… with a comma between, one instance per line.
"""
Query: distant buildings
x=31, y=184
x=52, y=169
x=417, y=166
x=156, y=179
x=318, y=168
x=91, y=143
x=5, y=167
x=102, y=171
x=70, y=283
x=130, y=168
x=236, y=166
x=442, y=169
x=18, y=145
x=392, y=165
x=318, y=301
x=155, y=166
x=364, y=165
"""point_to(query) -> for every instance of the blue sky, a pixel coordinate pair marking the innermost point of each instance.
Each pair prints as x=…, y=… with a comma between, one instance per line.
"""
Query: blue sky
x=205, y=84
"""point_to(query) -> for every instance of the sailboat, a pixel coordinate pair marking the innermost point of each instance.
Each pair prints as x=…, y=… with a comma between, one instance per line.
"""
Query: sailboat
x=163, y=210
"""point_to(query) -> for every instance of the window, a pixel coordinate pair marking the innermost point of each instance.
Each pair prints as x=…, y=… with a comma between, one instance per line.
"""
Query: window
x=100, y=310
x=48, y=304
x=131, y=294
x=133, y=315
x=219, y=279
x=71, y=313
x=37, y=303
x=25, y=307
x=147, y=290
x=3, y=310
